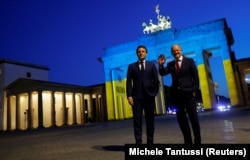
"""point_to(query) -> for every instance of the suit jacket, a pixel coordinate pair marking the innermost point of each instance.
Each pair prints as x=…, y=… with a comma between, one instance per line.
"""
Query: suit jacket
x=139, y=84
x=187, y=79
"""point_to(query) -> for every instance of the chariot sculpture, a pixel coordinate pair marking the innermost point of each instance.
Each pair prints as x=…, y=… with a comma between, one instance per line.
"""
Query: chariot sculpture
x=164, y=22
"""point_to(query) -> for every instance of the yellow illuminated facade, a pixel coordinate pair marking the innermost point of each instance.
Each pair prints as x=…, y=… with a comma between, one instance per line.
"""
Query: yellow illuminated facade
x=200, y=42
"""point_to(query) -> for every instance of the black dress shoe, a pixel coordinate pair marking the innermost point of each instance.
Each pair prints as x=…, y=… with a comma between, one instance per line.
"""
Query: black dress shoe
x=188, y=142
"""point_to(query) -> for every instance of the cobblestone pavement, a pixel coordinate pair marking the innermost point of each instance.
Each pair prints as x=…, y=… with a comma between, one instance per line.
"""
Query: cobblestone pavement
x=105, y=141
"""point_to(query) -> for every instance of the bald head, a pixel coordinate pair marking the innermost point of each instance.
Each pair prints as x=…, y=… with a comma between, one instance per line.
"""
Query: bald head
x=176, y=51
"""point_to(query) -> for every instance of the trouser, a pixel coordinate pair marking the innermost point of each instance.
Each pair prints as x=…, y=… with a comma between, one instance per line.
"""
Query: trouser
x=186, y=104
x=147, y=105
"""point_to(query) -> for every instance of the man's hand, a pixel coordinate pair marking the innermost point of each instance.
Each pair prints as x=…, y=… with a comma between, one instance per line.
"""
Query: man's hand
x=130, y=101
x=161, y=59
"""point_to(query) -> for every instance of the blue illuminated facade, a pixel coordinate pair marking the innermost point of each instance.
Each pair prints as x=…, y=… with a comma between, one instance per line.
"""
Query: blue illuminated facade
x=199, y=42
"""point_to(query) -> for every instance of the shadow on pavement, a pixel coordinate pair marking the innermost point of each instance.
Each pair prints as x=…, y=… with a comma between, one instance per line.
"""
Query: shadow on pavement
x=118, y=148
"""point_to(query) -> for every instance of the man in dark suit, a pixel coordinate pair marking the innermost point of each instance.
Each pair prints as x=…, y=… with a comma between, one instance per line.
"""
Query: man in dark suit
x=185, y=84
x=142, y=87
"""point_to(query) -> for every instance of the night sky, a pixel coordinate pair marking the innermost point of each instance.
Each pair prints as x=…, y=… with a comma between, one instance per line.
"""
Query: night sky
x=68, y=36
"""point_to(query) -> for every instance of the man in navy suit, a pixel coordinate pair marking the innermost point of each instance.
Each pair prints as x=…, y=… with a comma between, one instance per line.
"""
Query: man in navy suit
x=185, y=84
x=142, y=87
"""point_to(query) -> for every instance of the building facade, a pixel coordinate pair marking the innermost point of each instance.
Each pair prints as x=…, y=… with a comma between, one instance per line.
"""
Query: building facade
x=10, y=70
x=34, y=104
x=30, y=101
x=242, y=72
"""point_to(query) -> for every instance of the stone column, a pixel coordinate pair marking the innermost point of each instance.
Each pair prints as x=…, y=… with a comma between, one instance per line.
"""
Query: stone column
x=97, y=108
x=53, y=110
x=90, y=109
x=40, y=109
x=65, y=110
x=17, y=113
x=74, y=108
x=8, y=114
x=29, y=112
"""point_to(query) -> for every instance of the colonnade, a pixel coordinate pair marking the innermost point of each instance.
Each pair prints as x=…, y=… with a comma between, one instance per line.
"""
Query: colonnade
x=31, y=110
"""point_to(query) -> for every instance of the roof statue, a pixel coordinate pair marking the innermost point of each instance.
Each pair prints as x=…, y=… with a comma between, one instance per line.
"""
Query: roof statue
x=164, y=22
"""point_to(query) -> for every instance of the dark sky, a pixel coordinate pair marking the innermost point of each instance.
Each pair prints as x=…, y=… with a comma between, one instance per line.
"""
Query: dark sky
x=69, y=35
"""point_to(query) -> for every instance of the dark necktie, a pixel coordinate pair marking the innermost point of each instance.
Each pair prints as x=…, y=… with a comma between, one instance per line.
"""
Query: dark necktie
x=142, y=66
x=177, y=66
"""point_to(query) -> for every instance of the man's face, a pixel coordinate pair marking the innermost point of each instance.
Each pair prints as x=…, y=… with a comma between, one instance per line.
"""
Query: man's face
x=141, y=53
x=176, y=51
